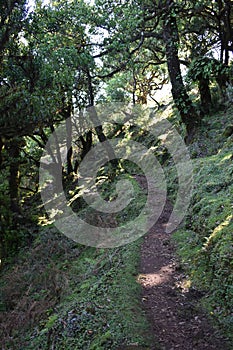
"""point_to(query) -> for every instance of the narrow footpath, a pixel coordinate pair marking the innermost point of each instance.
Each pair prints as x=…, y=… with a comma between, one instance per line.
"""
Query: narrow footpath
x=176, y=319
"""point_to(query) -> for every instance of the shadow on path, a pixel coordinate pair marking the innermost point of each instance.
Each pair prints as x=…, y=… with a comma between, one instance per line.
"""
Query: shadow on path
x=171, y=306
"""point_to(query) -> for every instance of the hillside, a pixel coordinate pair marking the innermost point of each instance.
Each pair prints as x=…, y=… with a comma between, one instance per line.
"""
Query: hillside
x=58, y=294
x=205, y=244
x=116, y=199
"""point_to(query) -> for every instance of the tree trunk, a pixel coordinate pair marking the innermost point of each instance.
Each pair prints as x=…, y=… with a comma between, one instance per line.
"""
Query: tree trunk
x=205, y=95
x=69, y=147
x=225, y=29
x=98, y=125
x=102, y=138
x=181, y=99
x=86, y=143
x=222, y=81
x=14, y=178
x=1, y=148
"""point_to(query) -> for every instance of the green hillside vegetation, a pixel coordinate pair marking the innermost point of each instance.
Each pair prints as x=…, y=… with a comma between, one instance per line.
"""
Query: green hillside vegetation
x=73, y=297
x=64, y=295
x=72, y=63
x=205, y=243
x=61, y=294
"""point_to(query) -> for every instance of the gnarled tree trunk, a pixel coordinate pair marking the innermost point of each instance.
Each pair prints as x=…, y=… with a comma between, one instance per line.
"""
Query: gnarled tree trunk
x=14, y=178
x=204, y=89
x=181, y=99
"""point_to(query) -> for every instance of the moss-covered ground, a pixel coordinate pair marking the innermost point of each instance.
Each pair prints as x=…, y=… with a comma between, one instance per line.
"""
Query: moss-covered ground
x=205, y=241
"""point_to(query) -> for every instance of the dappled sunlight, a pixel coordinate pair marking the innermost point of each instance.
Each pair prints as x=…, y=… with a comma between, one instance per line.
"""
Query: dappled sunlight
x=44, y=221
x=227, y=157
x=218, y=230
x=184, y=285
x=163, y=275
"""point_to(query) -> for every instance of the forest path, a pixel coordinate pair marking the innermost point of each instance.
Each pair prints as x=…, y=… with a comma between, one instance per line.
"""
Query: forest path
x=177, y=322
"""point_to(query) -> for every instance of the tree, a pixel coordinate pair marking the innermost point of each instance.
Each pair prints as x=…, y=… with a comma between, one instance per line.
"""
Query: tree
x=37, y=85
x=225, y=20
x=182, y=101
x=12, y=19
x=55, y=59
x=155, y=26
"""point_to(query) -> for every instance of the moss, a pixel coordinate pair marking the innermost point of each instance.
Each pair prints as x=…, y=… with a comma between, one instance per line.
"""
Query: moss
x=205, y=243
x=101, y=309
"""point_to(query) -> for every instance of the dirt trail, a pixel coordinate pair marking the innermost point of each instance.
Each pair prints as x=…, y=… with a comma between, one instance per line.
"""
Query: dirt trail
x=176, y=320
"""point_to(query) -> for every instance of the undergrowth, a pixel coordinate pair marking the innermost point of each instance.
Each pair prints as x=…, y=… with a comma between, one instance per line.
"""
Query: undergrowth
x=62, y=295
x=205, y=241
x=102, y=311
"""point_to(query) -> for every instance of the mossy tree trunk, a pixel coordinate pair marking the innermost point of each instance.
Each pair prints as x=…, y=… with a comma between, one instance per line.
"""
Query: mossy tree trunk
x=205, y=94
x=1, y=148
x=98, y=124
x=14, y=176
x=189, y=115
x=69, y=147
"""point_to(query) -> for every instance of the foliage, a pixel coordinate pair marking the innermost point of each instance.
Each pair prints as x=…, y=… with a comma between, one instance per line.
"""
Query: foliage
x=103, y=294
x=205, y=242
x=206, y=67
x=67, y=55
x=72, y=296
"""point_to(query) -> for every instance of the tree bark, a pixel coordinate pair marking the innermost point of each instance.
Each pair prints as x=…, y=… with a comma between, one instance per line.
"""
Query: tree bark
x=101, y=136
x=98, y=125
x=86, y=143
x=69, y=141
x=225, y=29
x=1, y=148
x=205, y=95
x=14, y=178
x=181, y=99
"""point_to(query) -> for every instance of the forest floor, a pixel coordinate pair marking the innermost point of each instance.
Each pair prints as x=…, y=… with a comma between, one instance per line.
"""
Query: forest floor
x=171, y=304
x=58, y=294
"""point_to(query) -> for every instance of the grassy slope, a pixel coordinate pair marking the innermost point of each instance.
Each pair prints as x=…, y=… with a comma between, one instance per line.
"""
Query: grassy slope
x=62, y=295
x=205, y=242
x=73, y=297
